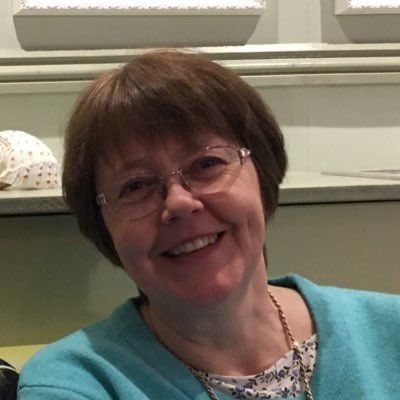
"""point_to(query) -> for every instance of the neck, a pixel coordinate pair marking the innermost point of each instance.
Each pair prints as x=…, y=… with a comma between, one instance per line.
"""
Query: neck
x=242, y=335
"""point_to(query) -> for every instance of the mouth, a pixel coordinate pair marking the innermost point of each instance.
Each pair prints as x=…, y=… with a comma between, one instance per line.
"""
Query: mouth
x=192, y=246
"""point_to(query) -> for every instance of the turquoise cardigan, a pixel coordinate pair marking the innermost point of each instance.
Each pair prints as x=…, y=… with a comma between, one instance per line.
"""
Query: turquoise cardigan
x=118, y=358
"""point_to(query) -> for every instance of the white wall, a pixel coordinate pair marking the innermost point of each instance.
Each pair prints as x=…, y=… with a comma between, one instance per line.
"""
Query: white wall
x=337, y=127
x=326, y=127
x=8, y=37
x=289, y=21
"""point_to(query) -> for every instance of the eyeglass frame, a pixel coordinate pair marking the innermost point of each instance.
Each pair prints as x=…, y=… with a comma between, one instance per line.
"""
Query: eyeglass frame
x=243, y=154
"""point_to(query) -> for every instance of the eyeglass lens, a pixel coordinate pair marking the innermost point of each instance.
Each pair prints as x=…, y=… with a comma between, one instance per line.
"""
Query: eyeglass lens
x=206, y=172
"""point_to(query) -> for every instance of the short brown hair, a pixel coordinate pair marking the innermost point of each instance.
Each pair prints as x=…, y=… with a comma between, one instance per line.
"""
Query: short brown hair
x=156, y=94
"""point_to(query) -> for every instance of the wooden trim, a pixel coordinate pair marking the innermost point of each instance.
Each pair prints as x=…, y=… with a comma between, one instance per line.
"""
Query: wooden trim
x=246, y=52
x=71, y=75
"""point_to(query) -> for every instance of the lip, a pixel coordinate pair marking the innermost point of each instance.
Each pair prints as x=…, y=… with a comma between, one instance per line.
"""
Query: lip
x=199, y=252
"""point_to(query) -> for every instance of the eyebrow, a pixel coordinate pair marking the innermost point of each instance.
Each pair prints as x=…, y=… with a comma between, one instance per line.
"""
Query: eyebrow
x=131, y=165
x=141, y=163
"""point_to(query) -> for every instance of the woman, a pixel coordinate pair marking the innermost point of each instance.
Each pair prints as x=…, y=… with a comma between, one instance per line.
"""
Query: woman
x=172, y=167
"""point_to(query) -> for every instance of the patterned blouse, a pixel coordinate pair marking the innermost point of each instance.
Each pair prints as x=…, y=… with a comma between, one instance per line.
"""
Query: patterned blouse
x=282, y=379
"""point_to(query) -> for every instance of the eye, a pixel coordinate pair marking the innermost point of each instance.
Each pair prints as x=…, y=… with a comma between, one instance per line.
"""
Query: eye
x=210, y=162
x=205, y=167
x=135, y=185
x=137, y=188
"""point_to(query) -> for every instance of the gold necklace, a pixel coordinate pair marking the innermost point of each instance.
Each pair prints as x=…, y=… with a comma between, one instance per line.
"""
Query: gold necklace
x=295, y=347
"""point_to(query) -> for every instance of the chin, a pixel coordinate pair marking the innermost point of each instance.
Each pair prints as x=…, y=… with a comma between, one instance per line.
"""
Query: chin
x=206, y=293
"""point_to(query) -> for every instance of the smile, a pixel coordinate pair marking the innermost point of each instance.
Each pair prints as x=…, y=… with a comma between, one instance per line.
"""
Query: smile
x=194, y=245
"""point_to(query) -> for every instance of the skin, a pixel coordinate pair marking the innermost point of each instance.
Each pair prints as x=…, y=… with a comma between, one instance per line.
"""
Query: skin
x=209, y=307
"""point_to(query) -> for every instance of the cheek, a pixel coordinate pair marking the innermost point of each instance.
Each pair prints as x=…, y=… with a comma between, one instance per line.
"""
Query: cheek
x=241, y=206
x=132, y=242
x=246, y=193
x=134, y=252
x=249, y=211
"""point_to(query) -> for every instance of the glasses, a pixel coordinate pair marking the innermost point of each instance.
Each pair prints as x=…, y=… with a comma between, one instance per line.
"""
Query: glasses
x=209, y=171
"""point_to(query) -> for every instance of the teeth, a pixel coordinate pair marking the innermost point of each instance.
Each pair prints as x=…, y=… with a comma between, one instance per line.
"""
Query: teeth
x=197, y=244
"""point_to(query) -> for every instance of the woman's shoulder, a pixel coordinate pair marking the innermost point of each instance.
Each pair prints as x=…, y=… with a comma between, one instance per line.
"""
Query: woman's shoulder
x=82, y=360
x=337, y=302
x=115, y=358
x=308, y=288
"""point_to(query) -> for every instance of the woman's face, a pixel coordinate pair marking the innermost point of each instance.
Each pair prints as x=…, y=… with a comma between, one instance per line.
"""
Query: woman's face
x=228, y=222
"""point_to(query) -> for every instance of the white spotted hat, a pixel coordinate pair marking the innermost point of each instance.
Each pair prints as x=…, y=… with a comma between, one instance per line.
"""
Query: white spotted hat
x=26, y=162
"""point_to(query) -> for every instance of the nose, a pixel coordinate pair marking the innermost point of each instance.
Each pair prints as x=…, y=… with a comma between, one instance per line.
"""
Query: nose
x=180, y=202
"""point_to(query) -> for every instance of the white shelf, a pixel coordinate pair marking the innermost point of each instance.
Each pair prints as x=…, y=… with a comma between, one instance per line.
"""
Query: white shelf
x=51, y=26
x=298, y=188
x=22, y=202
x=366, y=7
x=314, y=188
